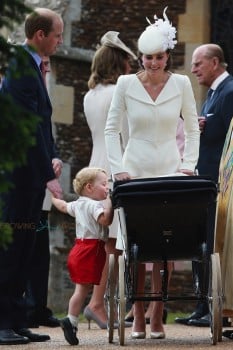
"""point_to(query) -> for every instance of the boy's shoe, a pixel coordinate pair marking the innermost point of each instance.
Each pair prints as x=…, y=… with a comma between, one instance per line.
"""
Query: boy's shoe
x=69, y=331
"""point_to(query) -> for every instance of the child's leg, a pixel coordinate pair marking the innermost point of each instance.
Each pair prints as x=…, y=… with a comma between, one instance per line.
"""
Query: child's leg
x=78, y=298
x=69, y=324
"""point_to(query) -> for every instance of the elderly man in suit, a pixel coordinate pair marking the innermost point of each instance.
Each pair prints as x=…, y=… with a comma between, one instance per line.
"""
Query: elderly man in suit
x=23, y=202
x=208, y=65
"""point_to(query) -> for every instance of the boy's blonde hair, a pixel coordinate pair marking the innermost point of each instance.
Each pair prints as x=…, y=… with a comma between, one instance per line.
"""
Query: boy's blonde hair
x=85, y=176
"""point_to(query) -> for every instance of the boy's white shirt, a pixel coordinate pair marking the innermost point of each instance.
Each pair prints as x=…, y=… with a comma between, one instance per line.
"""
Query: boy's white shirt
x=86, y=212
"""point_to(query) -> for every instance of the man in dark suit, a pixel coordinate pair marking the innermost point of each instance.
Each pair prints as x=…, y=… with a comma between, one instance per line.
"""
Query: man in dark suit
x=36, y=294
x=23, y=202
x=208, y=65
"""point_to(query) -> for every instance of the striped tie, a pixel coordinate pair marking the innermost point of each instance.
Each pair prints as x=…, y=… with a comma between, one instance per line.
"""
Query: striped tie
x=43, y=71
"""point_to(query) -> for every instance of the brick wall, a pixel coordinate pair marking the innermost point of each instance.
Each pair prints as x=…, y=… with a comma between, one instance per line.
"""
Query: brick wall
x=221, y=24
x=129, y=18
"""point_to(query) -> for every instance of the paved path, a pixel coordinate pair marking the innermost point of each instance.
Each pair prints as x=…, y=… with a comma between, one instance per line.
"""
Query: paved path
x=178, y=337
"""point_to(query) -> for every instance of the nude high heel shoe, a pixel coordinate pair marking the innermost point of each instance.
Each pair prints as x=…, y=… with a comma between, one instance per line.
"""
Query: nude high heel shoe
x=91, y=316
x=138, y=335
x=157, y=335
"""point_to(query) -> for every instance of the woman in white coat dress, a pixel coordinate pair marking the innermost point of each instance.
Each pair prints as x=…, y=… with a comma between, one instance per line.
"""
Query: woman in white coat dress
x=111, y=60
x=153, y=100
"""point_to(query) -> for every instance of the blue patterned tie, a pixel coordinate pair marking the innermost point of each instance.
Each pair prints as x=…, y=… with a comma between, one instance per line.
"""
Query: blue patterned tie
x=208, y=101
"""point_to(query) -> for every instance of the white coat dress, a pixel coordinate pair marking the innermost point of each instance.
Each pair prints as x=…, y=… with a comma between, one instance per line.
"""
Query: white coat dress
x=152, y=148
x=96, y=106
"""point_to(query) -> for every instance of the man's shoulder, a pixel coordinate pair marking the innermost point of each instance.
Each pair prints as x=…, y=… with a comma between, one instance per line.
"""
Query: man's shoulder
x=226, y=86
x=228, y=81
x=20, y=55
x=21, y=64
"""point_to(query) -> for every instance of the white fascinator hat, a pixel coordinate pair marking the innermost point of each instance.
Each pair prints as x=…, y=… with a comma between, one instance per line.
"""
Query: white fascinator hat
x=157, y=37
x=111, y=39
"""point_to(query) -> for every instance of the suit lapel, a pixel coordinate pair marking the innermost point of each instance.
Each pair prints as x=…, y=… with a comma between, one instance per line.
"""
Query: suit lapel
x=220, y=87
x=35, y=66
x=216, y=94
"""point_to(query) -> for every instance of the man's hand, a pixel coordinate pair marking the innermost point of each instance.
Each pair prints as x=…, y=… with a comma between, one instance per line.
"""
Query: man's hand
x=201, y=121
x=57, y=166
x=55, y=188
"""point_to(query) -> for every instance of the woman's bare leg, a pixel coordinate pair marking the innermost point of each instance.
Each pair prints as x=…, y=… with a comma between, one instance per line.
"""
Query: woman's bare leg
x=156, y=318
x=138, y=307
x=96, y=303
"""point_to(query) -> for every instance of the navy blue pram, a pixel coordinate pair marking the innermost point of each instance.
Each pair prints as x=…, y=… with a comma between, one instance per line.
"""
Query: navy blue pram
x=162, y=219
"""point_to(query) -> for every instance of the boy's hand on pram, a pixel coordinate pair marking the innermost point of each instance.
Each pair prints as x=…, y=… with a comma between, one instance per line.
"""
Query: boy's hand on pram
x=122, y=176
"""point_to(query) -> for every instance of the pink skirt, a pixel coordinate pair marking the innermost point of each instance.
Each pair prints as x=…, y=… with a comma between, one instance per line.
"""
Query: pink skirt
x=86, y=261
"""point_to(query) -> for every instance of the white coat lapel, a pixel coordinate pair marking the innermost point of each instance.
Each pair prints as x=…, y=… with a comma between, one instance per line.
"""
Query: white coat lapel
x=137, y=91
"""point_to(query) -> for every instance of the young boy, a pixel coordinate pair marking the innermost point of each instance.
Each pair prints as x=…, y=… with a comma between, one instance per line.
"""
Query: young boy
x=87, y=258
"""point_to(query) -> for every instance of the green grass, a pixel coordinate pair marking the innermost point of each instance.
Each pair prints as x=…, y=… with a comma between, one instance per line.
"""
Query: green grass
x=170, y=317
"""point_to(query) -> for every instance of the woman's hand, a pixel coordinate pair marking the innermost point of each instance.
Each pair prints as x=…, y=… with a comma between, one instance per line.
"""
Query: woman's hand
x=186, y=172
x=122, y=176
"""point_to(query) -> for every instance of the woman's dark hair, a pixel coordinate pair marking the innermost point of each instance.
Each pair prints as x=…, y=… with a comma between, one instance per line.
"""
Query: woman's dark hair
x=107, y=65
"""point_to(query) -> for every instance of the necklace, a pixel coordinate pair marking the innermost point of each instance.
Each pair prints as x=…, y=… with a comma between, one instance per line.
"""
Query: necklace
x=157, y=86
x=148, y=82
x=152, y=88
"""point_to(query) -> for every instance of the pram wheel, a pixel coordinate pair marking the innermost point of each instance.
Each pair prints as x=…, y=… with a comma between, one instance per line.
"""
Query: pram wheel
x=220, y=296
x=215, y=299
x=122, y=302
x=110, y=295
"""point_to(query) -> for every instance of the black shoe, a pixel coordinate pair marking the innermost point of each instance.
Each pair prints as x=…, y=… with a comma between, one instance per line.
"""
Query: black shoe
x=228, y=334
x=205, y=322
x=200, y=322
x=9, y=337
x=225, y=322
x=69, y=331
x=50, y=321
x=33, y=337
x=32, y=324
x=185, y=320
x=129, y=319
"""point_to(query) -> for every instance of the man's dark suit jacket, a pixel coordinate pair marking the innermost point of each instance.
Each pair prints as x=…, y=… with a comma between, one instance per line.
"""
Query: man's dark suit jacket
x=217, y=123
x=220, y=113
x=23, y=203
x=29, y=91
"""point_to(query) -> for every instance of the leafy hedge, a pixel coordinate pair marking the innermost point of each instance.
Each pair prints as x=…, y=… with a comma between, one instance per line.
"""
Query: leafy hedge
x=16, y=126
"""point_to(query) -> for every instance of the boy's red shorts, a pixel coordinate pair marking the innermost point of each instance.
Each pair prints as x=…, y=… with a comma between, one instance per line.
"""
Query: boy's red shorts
x=86, y=261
